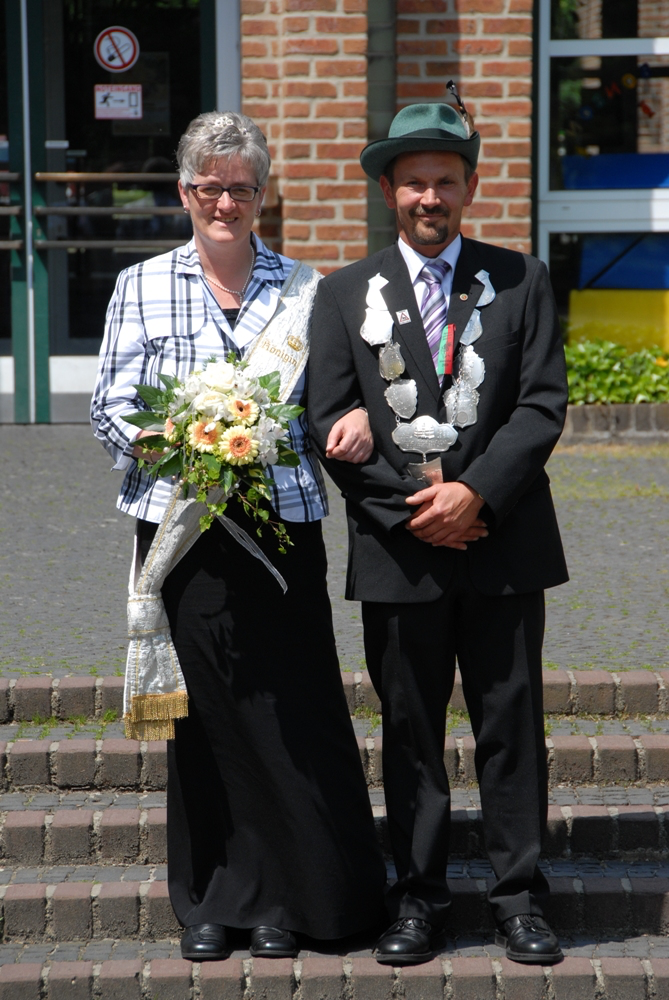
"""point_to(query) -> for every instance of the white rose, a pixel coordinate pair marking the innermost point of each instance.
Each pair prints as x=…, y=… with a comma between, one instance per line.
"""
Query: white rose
x=219, y=375
x=193, y=386
x=209, y=403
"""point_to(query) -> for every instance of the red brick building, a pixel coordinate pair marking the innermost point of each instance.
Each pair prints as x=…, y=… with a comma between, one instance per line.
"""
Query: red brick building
x=571, y=98
x=304, y=79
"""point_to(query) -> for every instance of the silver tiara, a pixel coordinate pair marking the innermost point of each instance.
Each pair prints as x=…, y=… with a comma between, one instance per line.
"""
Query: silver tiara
x=226, y=122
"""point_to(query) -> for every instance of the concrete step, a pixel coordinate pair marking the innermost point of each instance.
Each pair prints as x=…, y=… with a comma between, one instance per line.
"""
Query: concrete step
x=78, y=828
x=568, y=692
x=85, y=763
x=315, y=977
x=63, y=903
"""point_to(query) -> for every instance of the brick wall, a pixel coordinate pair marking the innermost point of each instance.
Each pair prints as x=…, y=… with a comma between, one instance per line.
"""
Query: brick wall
x=304, y=83
x=486, y=47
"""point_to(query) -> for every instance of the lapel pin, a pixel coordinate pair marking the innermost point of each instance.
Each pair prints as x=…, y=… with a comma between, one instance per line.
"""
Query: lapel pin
x=403, y=316
x=464, y=296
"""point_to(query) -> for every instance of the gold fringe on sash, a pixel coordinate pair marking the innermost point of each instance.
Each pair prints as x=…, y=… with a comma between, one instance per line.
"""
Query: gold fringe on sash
x=152, y=716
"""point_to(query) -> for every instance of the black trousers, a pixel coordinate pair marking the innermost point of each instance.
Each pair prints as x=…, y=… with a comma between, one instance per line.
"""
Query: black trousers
x=268, y=815
x=411, y=651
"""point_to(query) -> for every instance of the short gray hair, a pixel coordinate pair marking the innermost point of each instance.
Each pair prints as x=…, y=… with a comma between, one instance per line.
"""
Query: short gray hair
x=217, y=135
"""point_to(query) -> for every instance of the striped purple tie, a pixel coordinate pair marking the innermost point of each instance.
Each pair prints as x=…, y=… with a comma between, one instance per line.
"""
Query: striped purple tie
x=434, y=310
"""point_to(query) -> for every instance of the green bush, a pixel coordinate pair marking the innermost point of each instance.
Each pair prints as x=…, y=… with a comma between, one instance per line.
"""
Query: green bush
x=600, y=371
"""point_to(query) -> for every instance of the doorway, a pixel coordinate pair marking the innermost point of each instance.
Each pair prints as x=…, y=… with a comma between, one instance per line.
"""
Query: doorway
x=112, y=86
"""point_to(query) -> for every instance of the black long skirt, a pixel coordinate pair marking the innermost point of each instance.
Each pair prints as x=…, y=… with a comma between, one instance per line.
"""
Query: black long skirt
x=268, y=816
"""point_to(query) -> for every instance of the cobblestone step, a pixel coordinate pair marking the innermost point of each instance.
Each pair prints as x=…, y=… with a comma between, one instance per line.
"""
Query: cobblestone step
x=320, y=977
x=79, y=829
x=85, y=763
x=52, y=905
x=568, y=692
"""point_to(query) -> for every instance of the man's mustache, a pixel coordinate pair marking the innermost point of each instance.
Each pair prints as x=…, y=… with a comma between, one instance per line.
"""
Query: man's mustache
x=417, y=213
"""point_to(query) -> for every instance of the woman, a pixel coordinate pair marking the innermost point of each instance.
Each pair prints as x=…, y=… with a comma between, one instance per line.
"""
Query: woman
x=269, y=822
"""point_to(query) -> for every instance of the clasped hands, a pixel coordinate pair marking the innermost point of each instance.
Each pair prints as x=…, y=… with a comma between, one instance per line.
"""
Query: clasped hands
x=447, y=514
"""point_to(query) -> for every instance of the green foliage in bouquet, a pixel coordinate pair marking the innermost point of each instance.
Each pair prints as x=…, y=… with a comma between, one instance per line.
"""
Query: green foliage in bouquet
x=219, y=427
x=600, y=371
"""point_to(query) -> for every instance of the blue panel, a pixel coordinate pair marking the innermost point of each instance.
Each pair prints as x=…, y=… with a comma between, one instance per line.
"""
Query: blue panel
x=645, y=266
x=615, y=170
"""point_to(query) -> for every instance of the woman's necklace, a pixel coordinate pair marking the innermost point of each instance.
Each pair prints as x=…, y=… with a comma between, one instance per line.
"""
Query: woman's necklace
x=232, y=291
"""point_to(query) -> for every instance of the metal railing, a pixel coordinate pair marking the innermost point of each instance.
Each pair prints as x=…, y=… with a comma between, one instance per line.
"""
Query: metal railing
x=112, y=211
x=87, y=177
x=107, y=210
x=10, y=177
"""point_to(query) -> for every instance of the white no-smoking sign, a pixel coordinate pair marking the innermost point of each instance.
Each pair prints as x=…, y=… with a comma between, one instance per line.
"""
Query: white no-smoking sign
x=116, y=49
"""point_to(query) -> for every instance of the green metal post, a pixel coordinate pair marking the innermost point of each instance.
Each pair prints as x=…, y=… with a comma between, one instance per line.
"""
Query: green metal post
x=17, y=223
x=18, y=263
x=381, y=105
x=38, y=151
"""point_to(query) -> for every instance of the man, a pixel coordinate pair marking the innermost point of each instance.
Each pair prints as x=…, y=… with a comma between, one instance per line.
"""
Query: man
x=454, y=349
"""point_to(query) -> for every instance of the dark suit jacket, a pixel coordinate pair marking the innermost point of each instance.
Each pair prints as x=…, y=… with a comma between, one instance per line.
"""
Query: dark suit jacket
x=523, y=401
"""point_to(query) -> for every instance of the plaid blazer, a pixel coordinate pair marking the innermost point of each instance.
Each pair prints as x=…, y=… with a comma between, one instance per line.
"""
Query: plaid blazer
x=163, y=317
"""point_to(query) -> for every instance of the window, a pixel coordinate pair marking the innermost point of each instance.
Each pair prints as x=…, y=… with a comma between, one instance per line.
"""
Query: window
x=603, y=134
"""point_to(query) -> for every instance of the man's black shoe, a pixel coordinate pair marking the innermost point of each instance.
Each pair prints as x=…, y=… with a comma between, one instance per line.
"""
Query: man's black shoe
x=272, y=942
x=528, y=939
x=204, y=942
x=408, y=942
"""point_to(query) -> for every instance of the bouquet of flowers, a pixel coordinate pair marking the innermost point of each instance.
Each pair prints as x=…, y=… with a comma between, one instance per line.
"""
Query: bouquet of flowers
x=220, y=427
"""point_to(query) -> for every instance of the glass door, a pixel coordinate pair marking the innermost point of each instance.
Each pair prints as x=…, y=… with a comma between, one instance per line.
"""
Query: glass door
x=603, y=142
x=120, y=94
x=110, y=88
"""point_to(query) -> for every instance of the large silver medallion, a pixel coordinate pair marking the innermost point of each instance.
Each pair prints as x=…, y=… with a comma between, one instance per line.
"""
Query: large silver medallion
x=402, y=395
x=391, y=362
x=424, y=435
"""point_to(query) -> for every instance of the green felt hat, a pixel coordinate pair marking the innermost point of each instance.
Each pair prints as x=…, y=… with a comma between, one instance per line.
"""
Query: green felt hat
x=422, y=128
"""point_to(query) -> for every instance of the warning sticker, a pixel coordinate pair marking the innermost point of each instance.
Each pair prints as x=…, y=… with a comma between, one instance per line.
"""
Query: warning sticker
x=118, y=100
x=116, y=49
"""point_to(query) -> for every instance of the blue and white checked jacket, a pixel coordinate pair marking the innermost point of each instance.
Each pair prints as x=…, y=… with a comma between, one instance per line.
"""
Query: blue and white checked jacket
x=163, y=317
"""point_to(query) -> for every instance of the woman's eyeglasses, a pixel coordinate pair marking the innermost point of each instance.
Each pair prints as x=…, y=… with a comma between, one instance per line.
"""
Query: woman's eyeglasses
x=212, y=192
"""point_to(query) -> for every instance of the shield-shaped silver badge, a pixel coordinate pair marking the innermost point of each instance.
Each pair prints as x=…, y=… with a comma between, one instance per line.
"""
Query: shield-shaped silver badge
x=391, y=362
x=402, y=395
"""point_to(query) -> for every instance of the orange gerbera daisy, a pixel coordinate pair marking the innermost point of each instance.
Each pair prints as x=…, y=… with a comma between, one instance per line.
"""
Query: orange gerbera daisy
x=170, y=431
x=237, y=446
x=204, y=436
x=243, y=411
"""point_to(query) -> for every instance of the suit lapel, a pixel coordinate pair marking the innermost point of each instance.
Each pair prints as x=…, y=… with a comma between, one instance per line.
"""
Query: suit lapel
x=466, y=290
x=399, y=296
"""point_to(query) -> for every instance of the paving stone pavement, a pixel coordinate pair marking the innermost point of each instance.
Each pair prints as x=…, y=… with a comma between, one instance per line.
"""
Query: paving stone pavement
x=65, y=553
x=470, y=946
x=582, y=946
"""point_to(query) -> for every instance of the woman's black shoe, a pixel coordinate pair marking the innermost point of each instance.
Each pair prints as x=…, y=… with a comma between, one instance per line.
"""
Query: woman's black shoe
x=272, y=942
x=204, y=942
x=408, y=942
x=528, y=939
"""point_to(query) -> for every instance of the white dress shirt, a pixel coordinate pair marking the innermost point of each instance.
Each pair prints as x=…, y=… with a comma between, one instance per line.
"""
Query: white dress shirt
x=415, y=262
